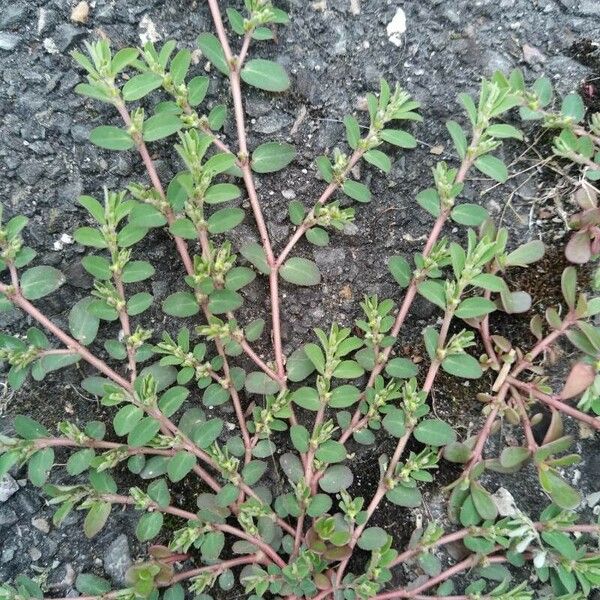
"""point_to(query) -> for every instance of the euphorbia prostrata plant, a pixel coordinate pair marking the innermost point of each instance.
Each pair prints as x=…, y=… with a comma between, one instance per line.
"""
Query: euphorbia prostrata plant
x=343, y=388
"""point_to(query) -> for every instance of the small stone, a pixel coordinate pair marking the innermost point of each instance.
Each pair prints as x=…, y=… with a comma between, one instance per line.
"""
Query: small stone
x=8, y=487
x=12, y=14
x=117, y=559
x=80, y=12
x=397, y=27
x=35, y=553
x=148, y=32
x=28, y=500
x=41, y=524
x=505, y=503
x=288, y=194
x=62, y=578
x=531, y=55
x=65, y=35
x=271, y=123
x=8, y=41
x=8, y=517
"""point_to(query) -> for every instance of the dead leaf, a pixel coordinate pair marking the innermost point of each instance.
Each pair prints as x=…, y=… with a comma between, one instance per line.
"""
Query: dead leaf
x=580, y=378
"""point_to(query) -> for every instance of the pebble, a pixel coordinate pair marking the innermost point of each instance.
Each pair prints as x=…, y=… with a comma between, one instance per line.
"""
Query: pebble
x=271, y=123
x=12, y=14
x=117, y=559
x=397, y=27
x=8, y=487
x=80, y=12
x=41, y=524
x=8, y=517
x=8, y=41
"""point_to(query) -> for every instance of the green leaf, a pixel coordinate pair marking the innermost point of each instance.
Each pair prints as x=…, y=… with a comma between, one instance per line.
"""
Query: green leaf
x=222, y=301
x=141, y=85
x=558, y=489
x=483, y=502
x=217, y=117
x=348, y=369
x=372, y=538
x=111, y=138
x=80, y=461
x=331, y=452
x=379, y=160
x=255, y=254
x=39, y=466
x=137, y=270
x=562, y=542
x=401, y=368
x=504, y=131
x=401, y=495
x=181, y=304
x=300, y=437
x=299, y=366
x=96, y=518
x=88, y=236
x=296, y=212
x=434, y=432
x=471, y=215
x=138, y=303
x=492, y=167
x=357, y=191
x=83, y=325
x=265, y=75
x=490, y=282
x=92, y=585
x=526, y=254
x=399, y=138
x=307, y=398
x=149, y=526
x=458, y=137
x=573, y=106
x=180, y=465
x=434, y=292
x=213, y=51
x=197, y=88
x=144, y=215
x=336, y=478
x=221, y=192
x=300, y=271
x=183, y=228
x=317, y=236
x=225, y=220
x=393, y=422
x=462, y=365
x=352, y=131
x=343, y=396
x=29, y=429
x=400, y=270
x=429, y=200
x=180, y=65
x=161, y=126
x=205, y=434
x=258, y=382
x=272, y=156
x=130, y=235
x=38, y=282
x=319, y=504
x=239, y=277
x=475, y=307
x=212, y=545
x=144, y=430
x=253, y=471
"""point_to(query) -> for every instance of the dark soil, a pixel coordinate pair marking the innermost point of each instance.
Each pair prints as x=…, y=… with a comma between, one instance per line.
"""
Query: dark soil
x=334, y=57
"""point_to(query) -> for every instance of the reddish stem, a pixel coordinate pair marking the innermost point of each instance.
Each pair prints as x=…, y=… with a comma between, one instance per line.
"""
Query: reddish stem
x=554, y=402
